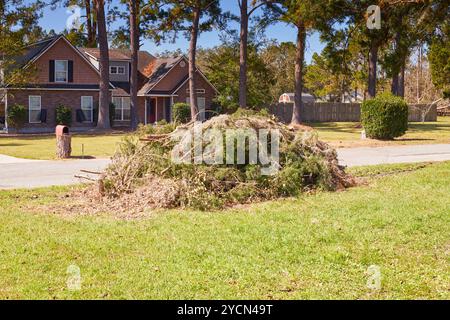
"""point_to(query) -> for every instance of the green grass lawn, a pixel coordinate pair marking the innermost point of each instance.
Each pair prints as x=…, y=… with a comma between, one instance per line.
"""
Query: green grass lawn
x=346, y=134
x=318, y=246
x=43, y=147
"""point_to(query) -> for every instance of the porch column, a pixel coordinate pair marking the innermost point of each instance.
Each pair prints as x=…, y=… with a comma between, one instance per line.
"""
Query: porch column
x=145, y=110
x=156, y=109
x=171, y=109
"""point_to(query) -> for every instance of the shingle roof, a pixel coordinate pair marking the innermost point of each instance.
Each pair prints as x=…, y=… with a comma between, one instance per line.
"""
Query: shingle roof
x=151, y=69
x=33, y=50
x=114, y=54
x=121, y=89
x=157, y=70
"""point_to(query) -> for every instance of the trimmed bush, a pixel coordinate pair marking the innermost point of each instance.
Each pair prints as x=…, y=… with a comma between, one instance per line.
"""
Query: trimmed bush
x=17, y=116
x=385, y=117
x=181, y=112
x=63, y=115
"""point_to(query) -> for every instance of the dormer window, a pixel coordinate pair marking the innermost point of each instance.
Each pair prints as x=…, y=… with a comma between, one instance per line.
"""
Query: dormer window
x=61, y=70
x=116, y=70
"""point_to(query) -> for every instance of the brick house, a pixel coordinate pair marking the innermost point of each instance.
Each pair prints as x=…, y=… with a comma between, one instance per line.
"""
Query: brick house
x=66, y=75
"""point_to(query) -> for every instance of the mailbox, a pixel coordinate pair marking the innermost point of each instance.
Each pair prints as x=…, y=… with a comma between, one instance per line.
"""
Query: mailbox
x=63, y=142
x=62, y=130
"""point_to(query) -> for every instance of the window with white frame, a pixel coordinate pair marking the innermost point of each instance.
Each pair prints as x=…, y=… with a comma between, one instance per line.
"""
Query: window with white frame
x=116, y=70
x=122, y=108
x=61, y=70
x=87, y=107
x=34, y=109
x=201, y=102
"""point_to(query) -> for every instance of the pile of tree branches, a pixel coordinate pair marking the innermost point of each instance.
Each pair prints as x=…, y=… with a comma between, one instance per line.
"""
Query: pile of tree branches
x=143, y=174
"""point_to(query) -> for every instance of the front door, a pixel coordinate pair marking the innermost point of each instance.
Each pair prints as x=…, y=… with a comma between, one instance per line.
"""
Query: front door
x=151, y=110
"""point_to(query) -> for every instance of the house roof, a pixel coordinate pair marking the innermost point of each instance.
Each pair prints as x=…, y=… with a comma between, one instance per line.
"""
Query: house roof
x=114, y=54
x=151, y=69
x=291, y=96
x=157, y=70
x=121, y=89
x=33, y=50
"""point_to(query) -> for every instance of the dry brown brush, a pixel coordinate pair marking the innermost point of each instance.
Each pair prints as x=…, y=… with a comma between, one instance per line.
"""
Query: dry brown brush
x=142, y=174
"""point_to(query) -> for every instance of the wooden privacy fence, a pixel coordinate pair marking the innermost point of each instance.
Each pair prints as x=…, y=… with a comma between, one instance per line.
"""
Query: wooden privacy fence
x=342, y=112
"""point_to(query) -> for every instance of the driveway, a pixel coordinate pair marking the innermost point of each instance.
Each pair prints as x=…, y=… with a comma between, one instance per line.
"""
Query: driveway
x=22, y=173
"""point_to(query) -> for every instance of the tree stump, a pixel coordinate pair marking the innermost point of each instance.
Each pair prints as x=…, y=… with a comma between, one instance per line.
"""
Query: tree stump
x=63, y=146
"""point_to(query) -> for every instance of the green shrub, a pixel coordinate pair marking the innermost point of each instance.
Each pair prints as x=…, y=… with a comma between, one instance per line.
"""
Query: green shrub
x=240, y=112
x=181, y=112
x=17, y=116
x=160, y=129
x=162, y=122
x=63, y=115
x=385, y=117
x=225, y=104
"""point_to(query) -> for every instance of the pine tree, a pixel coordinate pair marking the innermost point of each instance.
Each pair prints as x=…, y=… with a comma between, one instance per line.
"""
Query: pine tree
x=192, y=17
x=104, y=96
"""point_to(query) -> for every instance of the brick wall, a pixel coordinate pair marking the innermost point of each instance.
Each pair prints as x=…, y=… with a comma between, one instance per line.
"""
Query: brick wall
x=176, y=75
x=83, y=73
x=141, y=109
x=200, y=83
x=50, y=100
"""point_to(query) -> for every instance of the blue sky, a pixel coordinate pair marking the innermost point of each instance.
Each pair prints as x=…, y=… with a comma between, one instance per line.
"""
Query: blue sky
x=56, y=19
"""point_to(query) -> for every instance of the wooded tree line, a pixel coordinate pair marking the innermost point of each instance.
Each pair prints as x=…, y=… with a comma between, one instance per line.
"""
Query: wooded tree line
x=250, y=70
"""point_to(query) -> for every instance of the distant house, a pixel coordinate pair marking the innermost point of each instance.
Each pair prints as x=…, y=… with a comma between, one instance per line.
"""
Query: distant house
x=70, y=76
x=289, y=98
x=349, y=97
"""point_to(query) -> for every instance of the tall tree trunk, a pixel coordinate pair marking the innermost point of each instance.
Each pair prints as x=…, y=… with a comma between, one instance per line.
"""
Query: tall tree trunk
x=419, y=74
x=373, y=59
x=243, y=55
x=104, y=97
x=401, y=80
x=396, y=68
x=192, y=64
x=134, y=43
x=299, y=59
x=94, y=28
x=92, y=43
x=395, y=84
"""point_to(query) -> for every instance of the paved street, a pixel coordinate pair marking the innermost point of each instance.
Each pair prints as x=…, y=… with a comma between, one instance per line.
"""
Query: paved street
x=395, y=154
x=22, y=173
